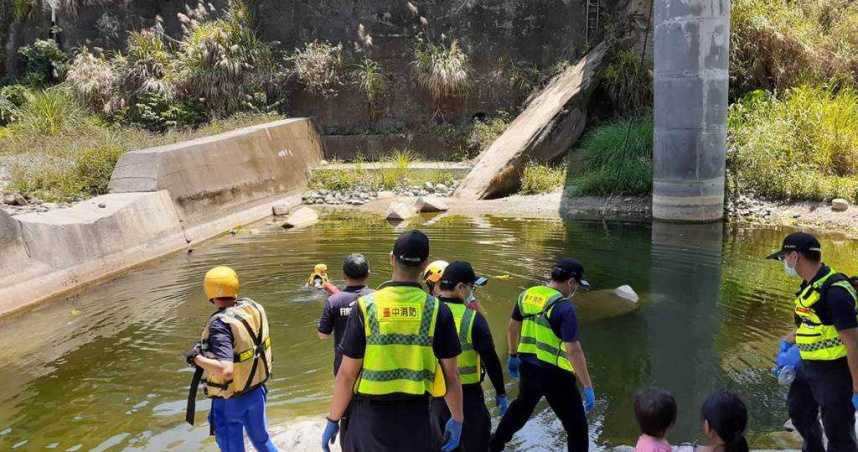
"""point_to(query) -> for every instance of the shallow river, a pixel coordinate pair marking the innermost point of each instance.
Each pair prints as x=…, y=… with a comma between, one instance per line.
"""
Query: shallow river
x=103, y=370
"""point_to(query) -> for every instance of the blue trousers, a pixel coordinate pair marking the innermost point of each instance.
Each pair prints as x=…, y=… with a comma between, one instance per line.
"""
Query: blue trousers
x=230, y=417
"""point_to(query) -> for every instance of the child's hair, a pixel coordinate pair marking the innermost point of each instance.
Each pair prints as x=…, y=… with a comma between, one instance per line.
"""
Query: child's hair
x=728, y=417
x=655, y=410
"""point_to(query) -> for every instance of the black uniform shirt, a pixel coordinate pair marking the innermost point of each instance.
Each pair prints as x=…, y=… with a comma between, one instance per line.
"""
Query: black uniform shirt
x=335, y=315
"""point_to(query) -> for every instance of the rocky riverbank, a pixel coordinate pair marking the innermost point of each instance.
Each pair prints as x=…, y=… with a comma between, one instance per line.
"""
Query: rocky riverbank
x=359, y=196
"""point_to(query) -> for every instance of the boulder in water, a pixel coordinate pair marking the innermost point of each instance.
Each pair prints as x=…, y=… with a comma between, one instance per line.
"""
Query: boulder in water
x=606, y=303
x=431, y=204
x=400, y=211
x=301, y=218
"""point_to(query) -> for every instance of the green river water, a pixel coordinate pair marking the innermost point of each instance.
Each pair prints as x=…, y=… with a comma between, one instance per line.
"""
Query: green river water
x=103, y=370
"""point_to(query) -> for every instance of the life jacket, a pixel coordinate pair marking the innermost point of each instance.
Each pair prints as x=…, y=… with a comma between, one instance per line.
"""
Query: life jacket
x=537, y=337
x=399, y=322
x=817, y=341
x=252, y=346
x=469, y=360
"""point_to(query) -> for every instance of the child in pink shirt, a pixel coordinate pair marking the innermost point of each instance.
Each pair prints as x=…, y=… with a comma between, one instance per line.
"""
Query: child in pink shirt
x=655, y=411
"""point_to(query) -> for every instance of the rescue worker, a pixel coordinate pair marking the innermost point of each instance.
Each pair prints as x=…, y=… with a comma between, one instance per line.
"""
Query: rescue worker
x=339, y=305
x=825, y=313
x=546, y=353
x=233, y=359
x=392, y=346
x=478, y=357
x=432, y=275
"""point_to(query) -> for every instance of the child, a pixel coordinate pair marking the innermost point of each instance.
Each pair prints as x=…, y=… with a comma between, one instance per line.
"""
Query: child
x=724, y=421
x=655, y=411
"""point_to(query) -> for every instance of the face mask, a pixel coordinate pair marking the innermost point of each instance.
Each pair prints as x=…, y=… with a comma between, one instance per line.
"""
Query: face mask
x=470, y=298
x=790, y=271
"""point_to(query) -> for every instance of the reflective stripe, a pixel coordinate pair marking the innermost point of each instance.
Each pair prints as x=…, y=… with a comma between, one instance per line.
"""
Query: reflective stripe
x=828, y=343
x=540, y=345
x=469, y=360
x=537, y=336
x=250, y=353
x=398, y=374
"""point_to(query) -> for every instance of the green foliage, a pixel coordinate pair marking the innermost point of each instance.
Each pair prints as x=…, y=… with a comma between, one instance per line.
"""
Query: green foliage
x=541, y=179
x=50, y=112
x=51, y=178
x=148, y=65
x=627, y=82
x=319, y=67
x=395, y=172
x=484, y=133
x=443, y=70
x=156, y=112
x=44, y=62
x=803, y=146
x=12, y=97
x=369, y=79
x=614, y=164
x=779, y=44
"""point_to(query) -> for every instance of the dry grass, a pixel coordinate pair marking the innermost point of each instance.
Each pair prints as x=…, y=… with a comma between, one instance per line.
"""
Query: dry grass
x=443, y=70
x=319, y=67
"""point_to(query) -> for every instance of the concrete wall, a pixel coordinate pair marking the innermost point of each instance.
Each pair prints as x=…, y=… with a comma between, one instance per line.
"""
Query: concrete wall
x=163, y=200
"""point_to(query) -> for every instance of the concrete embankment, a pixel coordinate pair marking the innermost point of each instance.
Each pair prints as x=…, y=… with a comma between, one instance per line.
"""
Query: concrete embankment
x=161, y=200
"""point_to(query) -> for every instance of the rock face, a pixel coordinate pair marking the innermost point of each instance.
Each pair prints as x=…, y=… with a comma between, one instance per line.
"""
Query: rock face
x=281, y=209
x=546, y=129
x=301, y=218
x=399, y=211
x=431, y=204
x=839, y=205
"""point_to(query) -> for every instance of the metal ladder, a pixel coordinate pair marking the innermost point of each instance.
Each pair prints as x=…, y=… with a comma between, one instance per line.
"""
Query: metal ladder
x=592, y=14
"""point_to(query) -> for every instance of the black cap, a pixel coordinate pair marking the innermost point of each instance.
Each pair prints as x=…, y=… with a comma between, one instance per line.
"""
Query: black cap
x=569, y=268
x=461, y=272
x=411, y=248
x=355, y=266
x=797, y=241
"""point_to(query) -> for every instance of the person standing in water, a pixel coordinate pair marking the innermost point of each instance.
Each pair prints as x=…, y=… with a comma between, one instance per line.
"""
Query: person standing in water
x=396, y=343
x=826, y=318
x=233, y=359
x=339, y=305
x=546, y=353
x=456, y=288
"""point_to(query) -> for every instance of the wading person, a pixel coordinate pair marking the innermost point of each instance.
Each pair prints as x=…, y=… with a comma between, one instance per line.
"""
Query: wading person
x=546, y=353
x=456, y=288
x=339, y=305
x=827, y=338
x=396, y=343
x=233, y=358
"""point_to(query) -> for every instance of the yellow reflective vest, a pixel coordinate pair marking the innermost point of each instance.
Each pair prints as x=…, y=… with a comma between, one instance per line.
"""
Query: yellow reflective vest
x=817, y=341
x=537, y=337
x=469, y=360
x=252, y=347
x=399, y=323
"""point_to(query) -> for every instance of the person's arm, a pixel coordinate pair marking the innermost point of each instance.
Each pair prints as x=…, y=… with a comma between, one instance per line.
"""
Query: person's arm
x=343, y=387
x=453, y=397
x=789, y=338
x=576, y=356
x=221, y=369
x=484, y=345
x=513, y=334
x=850, y=340
x=326, y=321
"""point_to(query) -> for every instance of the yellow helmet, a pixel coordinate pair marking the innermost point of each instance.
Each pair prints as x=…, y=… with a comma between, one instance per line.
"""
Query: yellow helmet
x=320, y=268
x=434, y=271
x=221, y=282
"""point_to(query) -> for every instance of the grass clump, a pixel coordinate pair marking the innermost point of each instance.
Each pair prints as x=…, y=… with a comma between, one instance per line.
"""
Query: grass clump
x=541, y=179
x=49, y=112
x=319, y=67
x=628, y=82
x=369, y=79
x=803, y=146
x=442, y=70
x=485, y=132
x=615, y=165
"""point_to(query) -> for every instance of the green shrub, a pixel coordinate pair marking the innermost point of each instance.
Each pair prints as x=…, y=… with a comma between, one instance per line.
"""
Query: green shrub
x=319, y=67
x=155, y=112
x=803, y=146
x=614, y=164
x=627, y=82
x=484, y=133
x=93, y=80
x=369, y=79
x=148, y=65
x=12, y=97
x=541, y=179
x=443, y=70
x=44, y=62
x=50, y=112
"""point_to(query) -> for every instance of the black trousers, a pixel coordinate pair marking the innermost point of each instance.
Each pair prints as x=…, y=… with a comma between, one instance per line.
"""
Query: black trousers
x=560, y=389
x=823, y=387
x=379, y=426
x=477, y=428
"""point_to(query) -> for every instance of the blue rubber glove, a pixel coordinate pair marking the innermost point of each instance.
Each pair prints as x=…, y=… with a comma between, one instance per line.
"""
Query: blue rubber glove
x=783, y=346
x=502, y=403
x=789, y=357
x=589, y=399
x=855, y=401
x=513, y=363
x=330, y=435
x=452, y=435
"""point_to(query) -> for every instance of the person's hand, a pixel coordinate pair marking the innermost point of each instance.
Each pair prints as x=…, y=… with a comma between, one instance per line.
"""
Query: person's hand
x=502, y=402
x=589, y=399
x=452, y=435
x=790, y=357
x=855, y=401
x=196, y=350
x=513, y=363
x=783, y=346
x=330, y=434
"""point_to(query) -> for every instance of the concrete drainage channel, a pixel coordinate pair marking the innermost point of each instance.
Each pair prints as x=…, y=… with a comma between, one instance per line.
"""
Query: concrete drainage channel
x=161, y=200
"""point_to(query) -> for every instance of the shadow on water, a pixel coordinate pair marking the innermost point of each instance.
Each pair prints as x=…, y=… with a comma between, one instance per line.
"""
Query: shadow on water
x=103, y=369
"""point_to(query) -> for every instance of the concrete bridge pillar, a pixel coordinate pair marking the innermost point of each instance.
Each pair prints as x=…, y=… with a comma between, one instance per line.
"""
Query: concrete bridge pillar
x=691, y=54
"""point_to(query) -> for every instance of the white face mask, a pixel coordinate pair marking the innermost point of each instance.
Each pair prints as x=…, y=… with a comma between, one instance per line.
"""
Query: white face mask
x=470, y=298
x=790, y=271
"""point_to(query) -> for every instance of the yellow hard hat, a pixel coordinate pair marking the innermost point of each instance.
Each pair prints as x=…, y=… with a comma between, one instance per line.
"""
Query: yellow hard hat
x=320, y=268
x=221, y=282
x=434, y=271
